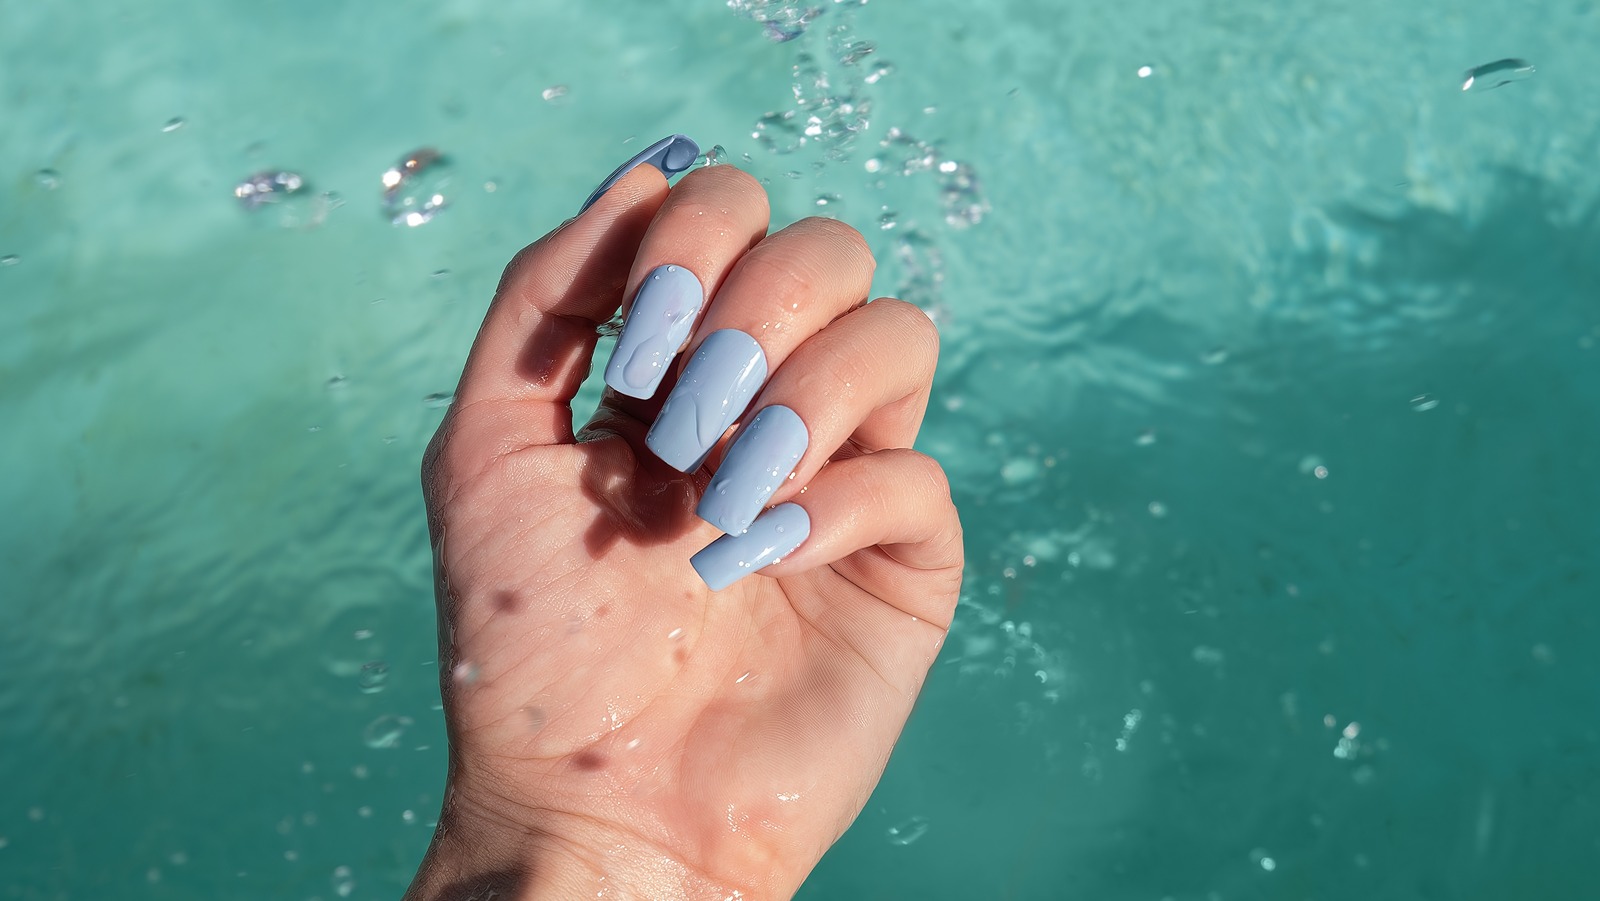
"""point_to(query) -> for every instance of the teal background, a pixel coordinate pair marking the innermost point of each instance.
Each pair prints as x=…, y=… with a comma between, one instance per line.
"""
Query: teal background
x=1270, y=396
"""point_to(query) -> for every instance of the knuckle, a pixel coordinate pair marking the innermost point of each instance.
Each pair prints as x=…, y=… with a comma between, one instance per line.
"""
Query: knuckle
x=911, y=326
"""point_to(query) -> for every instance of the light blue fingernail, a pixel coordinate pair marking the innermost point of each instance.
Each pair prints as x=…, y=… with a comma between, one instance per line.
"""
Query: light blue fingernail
x=716, y=386
x=657, y=325
x=671, y=155
x=774, y=535
x=762, y=456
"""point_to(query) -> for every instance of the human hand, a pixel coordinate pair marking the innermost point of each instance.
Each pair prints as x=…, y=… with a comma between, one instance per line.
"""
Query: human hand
x=617, y=728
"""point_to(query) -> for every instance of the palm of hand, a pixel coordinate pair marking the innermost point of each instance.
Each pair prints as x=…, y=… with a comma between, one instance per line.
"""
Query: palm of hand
x=596, y=682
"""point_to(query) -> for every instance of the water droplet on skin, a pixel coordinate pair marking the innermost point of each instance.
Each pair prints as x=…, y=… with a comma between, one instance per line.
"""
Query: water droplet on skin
x=908, y=831
x=465, y=672
x=373, y=677
x=386, y=731
x=536, y=717
x=49, y=179
x=741, y=678
x=173, y=124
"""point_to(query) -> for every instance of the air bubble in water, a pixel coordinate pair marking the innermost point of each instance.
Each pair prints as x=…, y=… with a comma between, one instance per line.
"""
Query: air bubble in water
x=173, y=124
x=10, y=259
x=269, y=186
x=438, y=399
x=904, y=833
x=554, y=91
x=1497, y=74
x=888, y=220
x=386, y=731
x=1422, y=403
x=344, y=881
x=413, y=188
x=826, y=199
x=49, y=179
x=1146, y=71
x=373, y=677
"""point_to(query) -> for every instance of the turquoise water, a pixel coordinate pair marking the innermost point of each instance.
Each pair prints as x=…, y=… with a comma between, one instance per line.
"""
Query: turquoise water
x=1270, y=398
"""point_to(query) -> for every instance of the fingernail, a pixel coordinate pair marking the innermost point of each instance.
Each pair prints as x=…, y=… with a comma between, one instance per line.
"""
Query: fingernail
x=671, y=155
x=657, y=325
x=774, y=535
x=762, y=456
x=716, y=386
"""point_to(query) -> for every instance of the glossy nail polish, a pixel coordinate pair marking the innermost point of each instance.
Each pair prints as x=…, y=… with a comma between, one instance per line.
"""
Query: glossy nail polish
x=763, y=454
x=774, y=535
x=671, y=155
x=716, y=386
x=658, y=323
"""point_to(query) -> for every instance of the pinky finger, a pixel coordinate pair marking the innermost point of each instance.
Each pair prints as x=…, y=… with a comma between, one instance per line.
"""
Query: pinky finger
x=894, y=504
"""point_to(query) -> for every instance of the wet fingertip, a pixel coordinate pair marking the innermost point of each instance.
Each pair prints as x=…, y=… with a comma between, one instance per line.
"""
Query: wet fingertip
x=773, y=536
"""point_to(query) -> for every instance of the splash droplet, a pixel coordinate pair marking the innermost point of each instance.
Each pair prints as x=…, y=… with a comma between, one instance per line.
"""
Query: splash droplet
x=386, y=731
x=1497, y=74
x=374, y=676
x=908, y=831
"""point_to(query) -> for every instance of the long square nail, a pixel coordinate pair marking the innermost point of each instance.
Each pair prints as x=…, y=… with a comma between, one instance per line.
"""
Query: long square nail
x=671, y=155
x=763, y=454
x=716, y=386
x=659, y=322
x=774, y=535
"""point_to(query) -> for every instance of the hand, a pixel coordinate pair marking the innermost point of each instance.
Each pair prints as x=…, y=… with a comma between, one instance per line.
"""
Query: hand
x=617, y=728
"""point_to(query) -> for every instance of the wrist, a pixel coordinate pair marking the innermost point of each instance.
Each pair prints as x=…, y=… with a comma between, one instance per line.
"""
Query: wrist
x=478, y=853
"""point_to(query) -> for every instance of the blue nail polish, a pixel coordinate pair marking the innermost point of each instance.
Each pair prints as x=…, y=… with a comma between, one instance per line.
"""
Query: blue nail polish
x=763, y=454
x=716, y=386
x=658, y=323
x=671, y=155
x=774, y=535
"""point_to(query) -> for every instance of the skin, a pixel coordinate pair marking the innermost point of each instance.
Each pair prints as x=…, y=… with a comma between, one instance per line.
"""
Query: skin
x=616, y=729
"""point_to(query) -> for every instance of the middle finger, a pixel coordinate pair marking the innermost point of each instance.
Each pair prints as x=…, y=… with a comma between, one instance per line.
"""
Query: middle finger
x=778, y=295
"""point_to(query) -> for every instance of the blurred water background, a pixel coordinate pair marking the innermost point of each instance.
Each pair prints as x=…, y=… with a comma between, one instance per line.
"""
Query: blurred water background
x=1271, y=398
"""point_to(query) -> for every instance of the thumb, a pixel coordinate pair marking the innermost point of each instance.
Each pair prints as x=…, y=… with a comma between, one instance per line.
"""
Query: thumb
x=538, y=338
